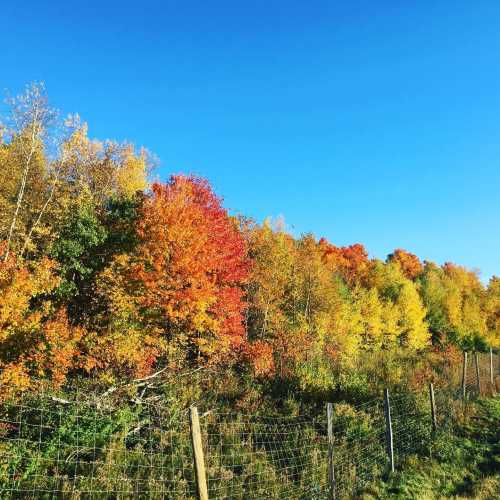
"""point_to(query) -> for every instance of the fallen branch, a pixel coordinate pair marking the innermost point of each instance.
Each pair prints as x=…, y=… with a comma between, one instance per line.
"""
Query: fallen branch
x=60, y=400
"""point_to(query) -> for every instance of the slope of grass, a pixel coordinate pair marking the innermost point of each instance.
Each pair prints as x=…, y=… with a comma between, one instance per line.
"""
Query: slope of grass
x=463, y=464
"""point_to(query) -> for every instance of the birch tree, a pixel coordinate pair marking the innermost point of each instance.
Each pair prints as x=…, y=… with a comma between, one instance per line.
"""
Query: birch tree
x=27, y=128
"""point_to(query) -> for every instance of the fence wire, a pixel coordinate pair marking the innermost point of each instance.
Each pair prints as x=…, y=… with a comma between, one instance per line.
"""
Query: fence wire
x=256, y=457
x=54, y=448
x=49, y=449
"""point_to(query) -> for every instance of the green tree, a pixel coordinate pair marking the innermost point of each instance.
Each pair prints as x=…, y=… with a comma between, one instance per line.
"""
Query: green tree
x=77, y=251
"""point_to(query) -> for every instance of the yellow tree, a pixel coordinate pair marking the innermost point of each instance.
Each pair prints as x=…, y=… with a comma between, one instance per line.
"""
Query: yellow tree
x=413, y=329
x=328, y=306
x=102, y=168
x=372, y=317
x=36, y=341
x=41, y=190
x=270, y=294
x=24, y=165
x=403, y=311
x=492, y=309
x=463, y=305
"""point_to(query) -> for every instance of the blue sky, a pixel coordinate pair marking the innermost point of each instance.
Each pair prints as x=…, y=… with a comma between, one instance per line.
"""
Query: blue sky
x=372, y=122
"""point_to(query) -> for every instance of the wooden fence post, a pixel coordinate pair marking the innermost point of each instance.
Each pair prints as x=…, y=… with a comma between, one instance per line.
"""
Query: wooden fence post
x=492, y=379
x=433, y=407
x=388, y=427
x=331, y=465
x=478, y=379
x=464, y=376
x=199, y=462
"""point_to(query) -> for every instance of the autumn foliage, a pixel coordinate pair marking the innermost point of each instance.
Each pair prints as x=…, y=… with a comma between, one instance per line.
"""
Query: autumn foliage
x=409, y=263
x=103, y=274
x=192, y=263
x=36, y=340
x=350, y=261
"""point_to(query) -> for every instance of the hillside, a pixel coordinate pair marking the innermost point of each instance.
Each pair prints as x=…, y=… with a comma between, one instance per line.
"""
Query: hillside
x=124, y=303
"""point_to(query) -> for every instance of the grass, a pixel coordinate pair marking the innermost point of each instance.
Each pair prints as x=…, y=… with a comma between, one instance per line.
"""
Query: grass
x=256, y=446
x=461, y=464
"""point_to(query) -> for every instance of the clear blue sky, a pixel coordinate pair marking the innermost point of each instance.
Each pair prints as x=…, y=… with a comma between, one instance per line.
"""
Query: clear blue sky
x=373, y=122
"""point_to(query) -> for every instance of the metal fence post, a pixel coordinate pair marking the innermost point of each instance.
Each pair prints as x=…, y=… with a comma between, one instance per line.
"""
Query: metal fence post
x=433, y=407
x=199, y=462
x=478, y=379
x=388, y=427
x=331, y=465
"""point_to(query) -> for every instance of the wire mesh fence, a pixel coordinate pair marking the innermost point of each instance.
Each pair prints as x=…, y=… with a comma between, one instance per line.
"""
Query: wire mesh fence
x=56, y=448
x=480, y=375
x=359, y=455
x=72, y=450
x=257, y=457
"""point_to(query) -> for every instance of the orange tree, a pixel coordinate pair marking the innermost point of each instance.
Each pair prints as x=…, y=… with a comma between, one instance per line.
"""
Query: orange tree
x=179, y=294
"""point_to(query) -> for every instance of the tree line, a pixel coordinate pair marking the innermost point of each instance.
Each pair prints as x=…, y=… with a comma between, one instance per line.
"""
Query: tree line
x=106, y=274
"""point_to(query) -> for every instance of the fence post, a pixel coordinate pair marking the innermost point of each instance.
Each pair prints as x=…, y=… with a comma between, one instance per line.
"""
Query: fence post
x=492, y=379
x=433, y=407
x=478, y=379
x=464, y=376
x=331, y=465
x=388, y=427
x=199, y=463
